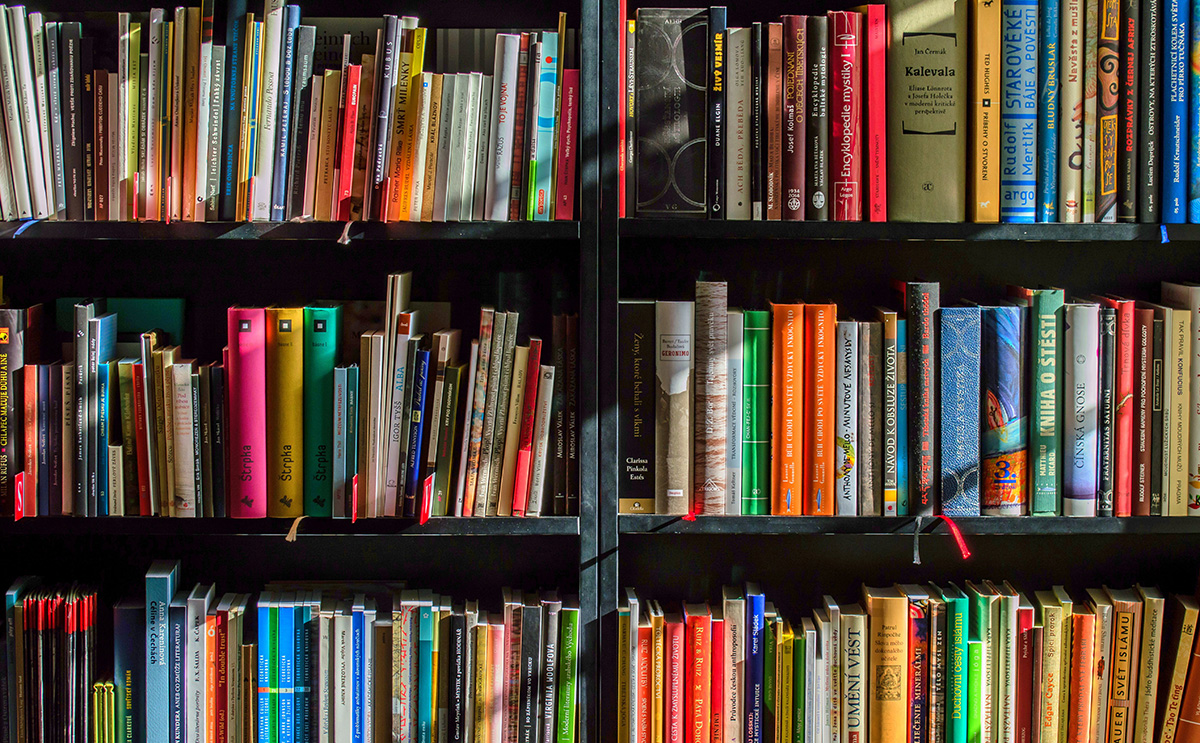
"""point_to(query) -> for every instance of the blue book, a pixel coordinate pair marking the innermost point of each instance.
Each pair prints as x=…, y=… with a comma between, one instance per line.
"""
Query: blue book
x=279, y=181
x=417, y=427
x=1047, y=110
x=264, y=665
x=542, y=168
x=351, y=427
x=756, y=609
x=235, y=44
x=1019, y=112
x=129, y=669
x=1175, y=113
x=102, y=345
x=357, y=631
x=13, y=595
x=958, y=623
x=1003, y=448
x=1194, y=118
x=177, y=665
x=161, y=580
x=958, y=397
x=425, y=622
x=102, y=383
x=303, y=674
x=901, y=417
x=44, y=457
x=287, y=667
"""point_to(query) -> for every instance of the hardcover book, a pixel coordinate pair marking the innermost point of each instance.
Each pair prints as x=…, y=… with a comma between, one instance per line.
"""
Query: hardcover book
x=959, y=395
x=756, y=416
x=712, y=398
x=1108, y=87
x=795, y=80
x=1049, y=43
x=635, y=488
x=922, y=302
x=1128, y=156
x=674, y=432
x=716, y=142
x=845, y=413
x=1003, y=452
x=816, y=207
x=870, y=424
x=986, y=66
x=1070, y=124
x=322, y=328
x=1081, y=375
x=890, y=409
x=1018, y=117
x=247, y=374
x=820, y=385
x=845, y=114
x=788, y=409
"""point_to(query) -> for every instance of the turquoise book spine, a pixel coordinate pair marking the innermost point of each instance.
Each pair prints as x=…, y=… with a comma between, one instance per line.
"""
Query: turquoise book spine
x=425, y=675
x=322, y=328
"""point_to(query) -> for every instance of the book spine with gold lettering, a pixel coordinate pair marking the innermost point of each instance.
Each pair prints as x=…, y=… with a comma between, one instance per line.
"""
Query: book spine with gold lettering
x=285, y=412
x=887, y=692
x=985, y=124
x=1109, y=85
x=1122, y=699
x=635, y=435
x=820, y=355
x=787, y=414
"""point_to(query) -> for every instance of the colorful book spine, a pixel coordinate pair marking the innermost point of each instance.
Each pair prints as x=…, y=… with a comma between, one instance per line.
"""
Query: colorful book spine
x=1045, y=479
x=1091, y=13
x=875, y=41
x=795, y=54
x=1107, y=411
x=958, y=397
x=1048, y=109
x=1175, y=113
x=787, y=427
x=817, y=122
x=542, y=179
x=922, y=302
x=891, y=410
x=902, y=479
x=285, y=411
x=1122, y=448
x=1108, y=80
x=756, y=416
x=755, y=665
x=717, y=115
x=711, y=397
x=420, y=402
x=986, y=63
x=821, y=352
x=735, y=364
x=1003, y=447
x=958, y=620
x=1019, y=115
x=568, y=147
x=129, y=670
x=247, y=404
x=845, y=114
x=1127, y=113
x=1070, y=125
x=322, y=328
x=1150, y=112
x=1081, y=377
x=845, y=412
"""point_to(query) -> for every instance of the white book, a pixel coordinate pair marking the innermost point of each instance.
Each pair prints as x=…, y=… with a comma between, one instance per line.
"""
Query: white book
x=203, y=125
x=195, y=685
x=316, y=86
x=368, y=656
x=810, y=679
x=737, y=124
x=179, y=42
x=854, y=673
x=268, y=118
x=472, y=369
x=1081, y=383
x=114, y=147
x=733, y=605
x=397, y=418
x=37, y=39
x=1187, y=296
x=846, y=407
x=116, y=480
x=446, y=116
x=343, y=701
x=324, y=671
x=16, y=201
x=733, y=437
x=541, y=441
x=121, y=210
x=834, y=669
x=824, y=669
x=483, y=136
x=500, y=135
x=458, y=136
x=424, y=89
x=216, y=120
x=8, y=203
x=185, y=453
x=29, y=114
x=470, y=141
x=1006, y=658
x=1070, y=96
x=151, y=116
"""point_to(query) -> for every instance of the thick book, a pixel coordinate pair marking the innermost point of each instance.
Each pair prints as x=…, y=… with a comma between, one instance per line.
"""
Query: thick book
x=12, y=361
x=711, y=399
x=1128, y=155
x=816, y=127
x=674, y=389
x=234, y=39
x=1046, y=317
x=322, y=328
x=247, y=375
x=874, y=79
x=927, y=144
x=845, y=114
x=1070, y=123
x=716, y=142
x=1019, y=111
x=738, y=135
x=129, y=669
x=1081, y=375
x=1178, y=639
x=921, y=301
x=887, y=641
x=1143, y=392
x=1091, y=18
x=1050, y=46
x=161, y=582
x=773, y=145
x=1108, y=87
x=1106, y=413
x=794, y=104
x=788, y=452
x=1174, y=116
x=958, y=396
x=284, y=339
x=820, y=390
x=1123, y=412
x=986, y=67
x=845, y=413
x=1151, y=111
x=870, y=423
x=1187, y=297
x=1003, y=446
x=756, y=416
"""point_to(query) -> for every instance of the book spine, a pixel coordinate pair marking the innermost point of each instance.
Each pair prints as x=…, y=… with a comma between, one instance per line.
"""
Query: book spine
x=247, y=425
x=268, y=114
x=1003, y=446
x=235, y=51
x=922, y=307
x=349, y=126
x=875, y=38
x=219, y=435
x=1019, y=116
x=890, y=410
x=795, y=51
x=13, y=126
x=845, y=114
x=816, y=207
x=820, y=410
x=216, y=119
x=284, y=340
x=1108, y=78
x=958, y=679
x=23, y=60
x=735, y=369
x=72, y=122
x=542, y=187
x=902, y=425
x=1046, y=387
x=1070, y=129
x=1127, y=113
x=755, y=667
x=287, y=89
x=718, y=128
x=1049, y=27
x=711, y=397
x=416, y=451
x=673, y=423
x=568, y=147
x=12, y=359
x=870, y=424
x=787, y=418
x=1149, y=156
x=1091, y=21
x=322, y=328
x=846, y=415
x=754, y=119
x=756, y=415
x=1081, y=375
x=1123, y=414
x=1175, y=467
x=1106, y=409
x=986, y=64
x=1174, y=142
x=738, y=108
x=627, y=199
x=1143, y=348
x=918, y=668
x=958, y=396
x=775, y=92
x=519, y=144
x=1123, y=699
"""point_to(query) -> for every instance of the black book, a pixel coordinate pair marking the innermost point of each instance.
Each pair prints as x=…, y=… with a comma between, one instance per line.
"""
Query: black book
x=55, y=78
x=558, y=415
x=54, y=397
x=921, y=305
x=629, y=106
x=1157, y=389
x=530, y=123
x=758, y=64
x=216, y=396
x=1127, y=114
x=571, y=369
x=84, y=383
x=70, y=66
x=459, y=724
x=816, y=128
x=43, y=438
x=672, y=112
x=89, y=128
x=715, y=144
x=12, y=411
x=551, y=610
x=301, y=111
x=1149, y=153
x=531, y=672
x=635, y=407
x=1107, y=412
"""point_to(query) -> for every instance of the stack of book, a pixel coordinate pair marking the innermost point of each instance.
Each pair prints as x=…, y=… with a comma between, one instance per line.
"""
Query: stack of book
x=341, y=662
x=1042, y=404
x=200, y=114
x=913, y=110
x=908, y=663
x=303, y=417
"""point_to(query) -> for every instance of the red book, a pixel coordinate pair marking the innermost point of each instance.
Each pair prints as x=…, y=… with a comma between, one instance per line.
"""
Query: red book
x=221, y=728
x=774, y=105
x=623, y=37
x=876, y=32
x=698, y=697
x=1025, y=677
x=1143, y=394
x=519, y=144
x=1083, y=641
x=795, y=63
x=645, y=644
x=675, y=671
x=528, y=414
x=246, y=390
x=1123, y=438
x=568, y=146
x=349, y=127
x=139, y=422
x=100, y=121
x=716, y=709
x=845, y=114
x=30, y=392
x=918, y=670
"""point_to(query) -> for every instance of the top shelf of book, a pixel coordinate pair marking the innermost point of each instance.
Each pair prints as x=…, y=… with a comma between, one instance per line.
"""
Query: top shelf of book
x=703, y=229
x=865, y=525
x=301, y=231
x=559, y=526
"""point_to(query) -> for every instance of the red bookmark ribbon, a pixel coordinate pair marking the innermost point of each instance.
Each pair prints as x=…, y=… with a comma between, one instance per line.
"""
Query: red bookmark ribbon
x=958, y=536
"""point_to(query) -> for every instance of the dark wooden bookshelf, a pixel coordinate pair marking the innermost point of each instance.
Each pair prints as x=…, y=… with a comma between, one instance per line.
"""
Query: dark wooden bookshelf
x=136, y=526
x=879, y=525
x=295, y=231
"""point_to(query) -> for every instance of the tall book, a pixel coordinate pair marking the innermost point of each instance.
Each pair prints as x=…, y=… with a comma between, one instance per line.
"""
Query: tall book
x=1123, y=413
x=1050, y=46
x=1106, y=414
x=845, y=414
x=1019, y=112
x=1126, y=648
x=1091, y=17
x=890, y=410
x=1003, y=447
x=1108, y=87
x=1081, y=376
x=322, y=328
x=820, y=388
x=712, y=398
x=875, y=136
x=1187, y=298
x=247, y=374
x=921, y=303
x=774, y=83
x=756, y=415
x=816, y=206
x=1150, y=180
x=986, y=66
x=887, y=638
x=1128, y=104
x=674, y=432
x=870, y=418
x=958, y=396
x=794, y=103
x=285, y=411
x=1046, y=317
x=1174, y=116
x=1070, y=129
x=736, y=388
x=161, y=582
x=635, y=437
x=716, y=143
x=845, y=114
x=1178, y=640
x=788, y=326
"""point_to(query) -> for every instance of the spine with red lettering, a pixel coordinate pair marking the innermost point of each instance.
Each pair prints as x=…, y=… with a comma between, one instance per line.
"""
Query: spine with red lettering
x=1127, y=115
x=922, y=300
x=794, y=99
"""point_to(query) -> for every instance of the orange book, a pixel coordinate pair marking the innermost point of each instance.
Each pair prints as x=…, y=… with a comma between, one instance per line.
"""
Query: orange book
x=698, y=696
x=1188, y=730
x=191, y=109
x=210, y=677
x=787, y=414
x=819, y=347
x=645, y=640
x=1083, y=641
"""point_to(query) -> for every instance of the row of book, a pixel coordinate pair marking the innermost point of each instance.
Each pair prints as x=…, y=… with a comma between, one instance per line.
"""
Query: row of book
x=301, y=662
x=913, y=110
x=912, y=664
x=283, y=426
x=1042, y=404
x=203, y=115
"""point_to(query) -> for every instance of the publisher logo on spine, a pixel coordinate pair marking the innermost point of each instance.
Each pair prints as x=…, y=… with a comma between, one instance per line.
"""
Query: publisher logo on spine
x=674, y=347
x=243, y=326
x=4, y=336
x=285, y=326
x=318, y=326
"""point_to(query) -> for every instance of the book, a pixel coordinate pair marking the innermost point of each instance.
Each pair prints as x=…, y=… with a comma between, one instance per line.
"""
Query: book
x=794, y=144
x=1107, y=78
x=1081, y=374
x=985, y=63
x=1091, y=19
x=1149, y=176
x=756, y=418
x=959, y=392
x=322, y=327
x=247, y=375
x=1003, y=446
x=922, y=303
x=1128, y=142
x=1175, y=134
x=820, y=390
x=674, y=431
x=816, y=126
x=788, y=393
x=1071, y=115
x=845, y=114
x=1178, y=639
x=285, y=411
x=845, y=412
x=1048, y=109
x=711, y=399
x=738, y=136
x=774, y=83
x=718, y=116
x=735, y=369
x=1046, y=315
x=1018, y=116
x=887, y=637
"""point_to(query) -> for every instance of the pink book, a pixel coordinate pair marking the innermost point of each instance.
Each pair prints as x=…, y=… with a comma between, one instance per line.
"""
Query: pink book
x=246, y=370
x=525, y=453
x=875, y=33
x=349, y=128
x=845, y=114
x=564, y=190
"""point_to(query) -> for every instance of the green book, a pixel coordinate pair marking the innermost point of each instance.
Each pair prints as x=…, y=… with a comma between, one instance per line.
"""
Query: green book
x=756, y=413
x=799, y=690
x=129, y=475
x=568, y=669
x=1046, y=309
x=322, y=326
x=351, y=427
x=975, y=713
x=448, y=440
x=769, y=681
x=958, y=622
x=272, y=726
x=984, y=627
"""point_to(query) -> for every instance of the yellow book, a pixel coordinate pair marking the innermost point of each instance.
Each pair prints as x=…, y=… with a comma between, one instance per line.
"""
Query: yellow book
x=623, y=690
x=167, y=401
x=131, y=141
x=512, y=434
x=887, y=637
x=191, y=103
x=1064, y=674
x=1123, y=683
x=1050, y=612
x=411, y=124
x=249, y=67
x=440, y=614
x=784, y=665
x=395, y=171
x=984, y=204
x=327, y=145
x=657, y=669
x=285, y=411
x=483, y=679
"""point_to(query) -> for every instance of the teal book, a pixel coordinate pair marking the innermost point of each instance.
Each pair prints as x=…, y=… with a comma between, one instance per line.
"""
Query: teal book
x=901, y=417
x=425, y=622
x=106, y=374
x=568, y=671
x=129, y=669
x=322, y=327
x=958, y=622
x=287, y=668
x=975, y=713
x=161, y=582
x=1045, y=441
x=541, y=167
x=756, y=413
x=134, y=315
x=351, y=427
x=273, y=675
